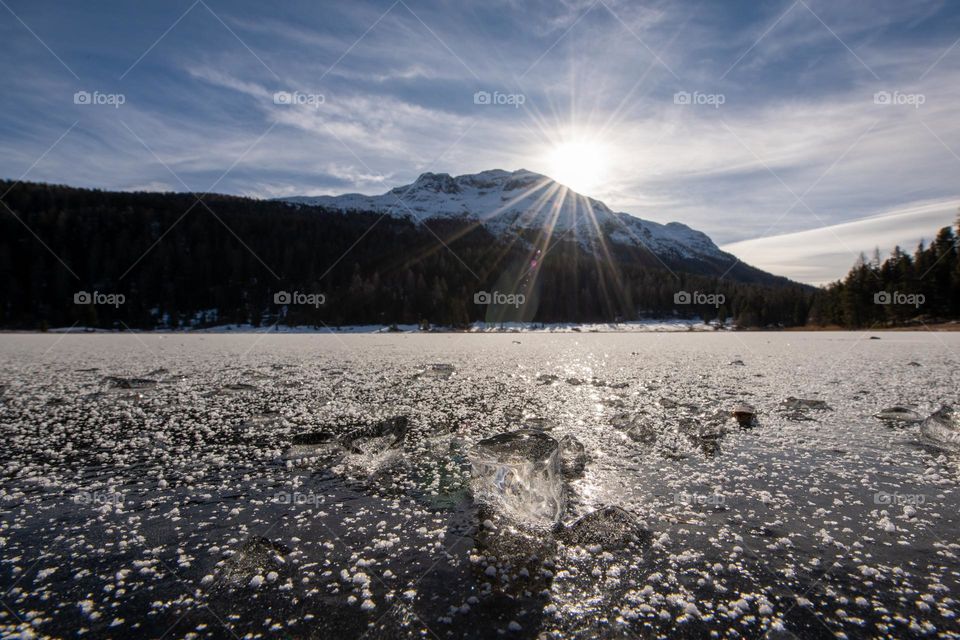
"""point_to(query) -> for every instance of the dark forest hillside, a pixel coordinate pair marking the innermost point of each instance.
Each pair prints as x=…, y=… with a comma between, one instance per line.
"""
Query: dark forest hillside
x=178, y=261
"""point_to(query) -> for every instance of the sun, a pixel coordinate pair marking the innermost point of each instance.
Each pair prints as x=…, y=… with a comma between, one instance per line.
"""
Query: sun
x=579, y=164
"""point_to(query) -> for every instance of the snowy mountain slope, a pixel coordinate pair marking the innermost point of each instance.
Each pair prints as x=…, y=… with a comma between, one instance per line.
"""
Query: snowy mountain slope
x=507, y=202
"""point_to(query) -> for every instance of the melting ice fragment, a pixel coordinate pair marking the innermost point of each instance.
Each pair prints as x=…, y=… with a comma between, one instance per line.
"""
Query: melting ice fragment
x=129, y=383
x=798, y=409
x=386, y=434
x=364, y=439
x=799, y=404
x=899, y=414
x=539, y=423
x=256, y=557
x=637, y=427
x=745, y=414
x=519, y=474
x=610, y=527
x=943, y=426
x=573, y=457
x=237, y=387
x=437, y=371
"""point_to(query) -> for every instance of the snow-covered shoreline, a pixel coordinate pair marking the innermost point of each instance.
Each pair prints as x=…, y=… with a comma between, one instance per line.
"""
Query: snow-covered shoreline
x=639, y=326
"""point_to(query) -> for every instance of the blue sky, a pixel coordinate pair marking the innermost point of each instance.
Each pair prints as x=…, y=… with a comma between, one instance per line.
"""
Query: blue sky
x=785, y=154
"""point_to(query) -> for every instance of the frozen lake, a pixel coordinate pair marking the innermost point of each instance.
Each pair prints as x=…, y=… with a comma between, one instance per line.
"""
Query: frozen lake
x=314, y=486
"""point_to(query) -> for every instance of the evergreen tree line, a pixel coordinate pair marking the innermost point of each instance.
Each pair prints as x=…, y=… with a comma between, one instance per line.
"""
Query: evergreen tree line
x=179, y=262
x=901, y=290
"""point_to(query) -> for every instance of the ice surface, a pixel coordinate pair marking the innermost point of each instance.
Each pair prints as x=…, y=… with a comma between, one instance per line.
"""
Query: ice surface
x=184, y=508
x=519, y=474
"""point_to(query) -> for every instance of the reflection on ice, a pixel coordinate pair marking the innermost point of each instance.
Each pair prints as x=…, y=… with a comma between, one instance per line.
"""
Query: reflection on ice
x=518, y=474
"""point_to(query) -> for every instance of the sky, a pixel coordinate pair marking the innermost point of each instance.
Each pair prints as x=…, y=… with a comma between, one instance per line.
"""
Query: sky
x=796, y=133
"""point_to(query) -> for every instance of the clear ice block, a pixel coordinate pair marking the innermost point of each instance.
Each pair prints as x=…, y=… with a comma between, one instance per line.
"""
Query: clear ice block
x=519, y=475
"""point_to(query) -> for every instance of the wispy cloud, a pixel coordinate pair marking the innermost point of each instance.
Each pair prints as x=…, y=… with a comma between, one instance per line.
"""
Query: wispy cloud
x=823, y=254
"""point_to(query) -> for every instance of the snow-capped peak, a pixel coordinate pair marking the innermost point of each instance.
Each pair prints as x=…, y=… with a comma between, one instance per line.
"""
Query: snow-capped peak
x=505, y=201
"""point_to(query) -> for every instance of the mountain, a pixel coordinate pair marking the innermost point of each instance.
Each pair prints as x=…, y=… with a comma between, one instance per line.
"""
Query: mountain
x=511, y=203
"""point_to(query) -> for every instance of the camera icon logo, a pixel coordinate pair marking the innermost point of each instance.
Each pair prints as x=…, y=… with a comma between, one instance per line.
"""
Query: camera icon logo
x=282, y=97
x=82, y=97
x=82, y=297
x=882, y=297
x=282, y=297
x=482, y=297
x=681, y=297
x=882, y=97
x=482, y=97
x=681, y=97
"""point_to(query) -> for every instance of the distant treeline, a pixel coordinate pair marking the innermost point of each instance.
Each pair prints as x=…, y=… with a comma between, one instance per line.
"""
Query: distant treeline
x=901, y=290
x=78, y=257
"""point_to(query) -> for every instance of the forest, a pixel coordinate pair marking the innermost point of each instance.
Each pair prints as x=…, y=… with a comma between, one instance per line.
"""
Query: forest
x=118, y=260
x=903, y=289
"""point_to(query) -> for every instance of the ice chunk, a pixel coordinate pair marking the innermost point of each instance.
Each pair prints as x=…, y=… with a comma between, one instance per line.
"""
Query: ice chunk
x=237, y=387
x=312, y=438
x=257, y=557
x=438, y=371
x=373, y=437
x=386, y=434
x=745, y=414
x=539, y=423
x=943, y=427
x=638, y=427
x=609, y=527
x=573, y=457
x=129, y=383
x=899, y=414
x=518, y=473
x=799, y=404
x=311, y=445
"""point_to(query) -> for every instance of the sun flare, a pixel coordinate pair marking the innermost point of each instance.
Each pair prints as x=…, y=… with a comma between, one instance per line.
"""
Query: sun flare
x=580, y=165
